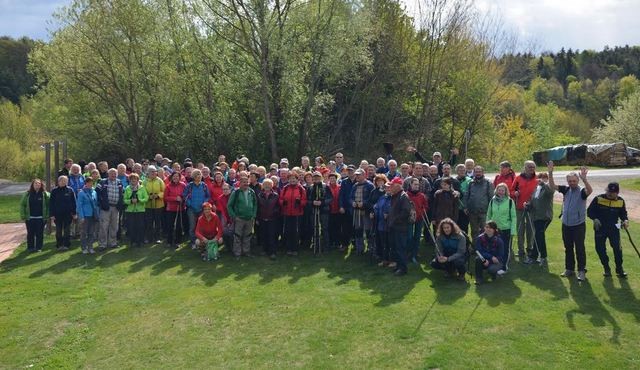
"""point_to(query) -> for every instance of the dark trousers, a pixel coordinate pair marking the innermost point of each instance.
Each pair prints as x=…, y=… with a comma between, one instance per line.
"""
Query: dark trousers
x=505, y=235
x=457, y=265
x=573, y=239
x=291, y=232
x=153, y=223
x=492, y=269
x=334, y=229
x=463, y=222
x=601, y=236
x=87, y=236
x=268, y=236
x=63, y=231
x=540, y=227
x=306, y=227
x=382, y=246
x=415, y=233
x=347, y=228
x=173, y=226
x=399, y=240
x=35, y=233
x=135, y=227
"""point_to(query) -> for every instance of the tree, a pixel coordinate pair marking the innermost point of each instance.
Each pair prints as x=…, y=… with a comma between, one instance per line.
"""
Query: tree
x=623, y=124
x=15, y=80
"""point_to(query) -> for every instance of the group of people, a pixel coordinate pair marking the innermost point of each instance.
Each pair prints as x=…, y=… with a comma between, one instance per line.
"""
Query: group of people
x=384, y=210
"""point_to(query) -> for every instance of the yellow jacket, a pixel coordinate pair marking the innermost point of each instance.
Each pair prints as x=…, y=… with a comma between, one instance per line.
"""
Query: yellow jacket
x=155, y=186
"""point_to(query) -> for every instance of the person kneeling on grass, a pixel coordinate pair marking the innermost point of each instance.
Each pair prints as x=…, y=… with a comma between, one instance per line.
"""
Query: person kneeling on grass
x=450, y=249
x=489, y=252
x=208, y=228
x=135, y=198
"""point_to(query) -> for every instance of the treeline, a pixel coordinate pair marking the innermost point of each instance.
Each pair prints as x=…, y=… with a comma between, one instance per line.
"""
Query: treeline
x=283, y=78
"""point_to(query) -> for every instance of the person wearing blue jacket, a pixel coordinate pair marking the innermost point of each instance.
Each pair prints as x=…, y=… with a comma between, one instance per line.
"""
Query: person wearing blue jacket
x=346, y=184
x=194, y=195
x=76, y=182
x=360, y=203
x=381, y=211
x=88, y=212
x=490, y=247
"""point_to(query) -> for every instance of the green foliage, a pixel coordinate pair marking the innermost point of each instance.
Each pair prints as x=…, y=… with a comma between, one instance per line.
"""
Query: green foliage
x=15, y=81
x=623, y=124
x=10, y=208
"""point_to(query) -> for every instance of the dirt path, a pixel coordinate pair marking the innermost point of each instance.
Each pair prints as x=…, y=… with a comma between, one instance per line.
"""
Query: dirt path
x=11, y=236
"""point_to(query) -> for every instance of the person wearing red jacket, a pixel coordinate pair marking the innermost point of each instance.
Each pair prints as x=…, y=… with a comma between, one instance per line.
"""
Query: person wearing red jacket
x=506, y=175
x=174, y=209
x=335, y=234
x=293, y=199
x=216, y=185
x=522, y=189
x=421, y=206
x=208, y=228
x=227, y=222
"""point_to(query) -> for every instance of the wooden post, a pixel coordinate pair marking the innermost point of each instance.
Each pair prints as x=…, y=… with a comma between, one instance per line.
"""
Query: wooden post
x=64, y=150
x=56, y=159
x=47, y=176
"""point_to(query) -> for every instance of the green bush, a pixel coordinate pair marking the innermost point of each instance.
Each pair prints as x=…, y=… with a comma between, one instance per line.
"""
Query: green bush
x=11, y=155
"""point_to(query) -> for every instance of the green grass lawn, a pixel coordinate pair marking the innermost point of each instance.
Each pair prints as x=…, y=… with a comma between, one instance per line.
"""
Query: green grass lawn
x=155, y=308
x=632, y=184
x=10, y=208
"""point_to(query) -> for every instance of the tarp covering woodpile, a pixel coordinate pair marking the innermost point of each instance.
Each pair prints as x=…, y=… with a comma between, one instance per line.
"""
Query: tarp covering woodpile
x=604, y=155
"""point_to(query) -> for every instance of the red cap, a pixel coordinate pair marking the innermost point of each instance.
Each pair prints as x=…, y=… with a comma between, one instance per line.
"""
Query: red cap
x=206, y=205
x=395, y=180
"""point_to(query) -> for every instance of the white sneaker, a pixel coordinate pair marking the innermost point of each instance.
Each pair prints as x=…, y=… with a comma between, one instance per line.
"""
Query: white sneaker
x=501, y=272
x=91, y=251
x=542, y=261
x=581, y=275
x=193, y=246
x=84, y=251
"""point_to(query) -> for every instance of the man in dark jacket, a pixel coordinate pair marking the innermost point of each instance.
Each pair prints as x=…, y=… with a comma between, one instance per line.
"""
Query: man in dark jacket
x=267, y=218
x=398, y=222
x=605, y=210
x=346, y=209
x=62, y=207
x=320, y=198
x=359, y=201
x=437, y=158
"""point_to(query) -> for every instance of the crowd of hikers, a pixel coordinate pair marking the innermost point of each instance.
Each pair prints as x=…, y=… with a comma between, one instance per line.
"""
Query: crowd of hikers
x=382, y=210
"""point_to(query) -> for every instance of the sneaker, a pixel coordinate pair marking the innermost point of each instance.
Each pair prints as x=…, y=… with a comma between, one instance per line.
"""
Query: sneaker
x=91, y=251
x=528, y=260
x=567, y=273
x=501, y=272
x=621, y=274
x=84, y=251
x=582, y=275
x=414, y=261
x=392, y=265
x=205, y=258
x=193, y=246
x=542, y=261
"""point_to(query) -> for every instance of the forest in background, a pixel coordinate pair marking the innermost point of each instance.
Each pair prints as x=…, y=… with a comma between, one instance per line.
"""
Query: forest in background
x=284, y=78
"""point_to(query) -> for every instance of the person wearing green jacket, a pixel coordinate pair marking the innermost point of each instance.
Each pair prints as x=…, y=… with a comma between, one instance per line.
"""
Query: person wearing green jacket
x=135, y=199
x=502, y=210
x=34, y=210
x=242, y=208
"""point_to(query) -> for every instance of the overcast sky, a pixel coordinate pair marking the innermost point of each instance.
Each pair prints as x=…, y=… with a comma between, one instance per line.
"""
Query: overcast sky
x=548, y=24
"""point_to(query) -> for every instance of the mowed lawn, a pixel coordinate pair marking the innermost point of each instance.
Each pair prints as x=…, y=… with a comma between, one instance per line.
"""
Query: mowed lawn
x=10, y=208
x=155, y=308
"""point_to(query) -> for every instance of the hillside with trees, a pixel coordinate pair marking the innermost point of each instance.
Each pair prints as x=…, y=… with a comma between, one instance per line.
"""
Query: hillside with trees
x=288, y=77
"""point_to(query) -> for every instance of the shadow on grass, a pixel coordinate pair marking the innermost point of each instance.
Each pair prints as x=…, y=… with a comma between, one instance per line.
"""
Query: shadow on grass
x=543, y=279
x=622, y=298
x=501, y=291
x=159, y=259
x=589, y=304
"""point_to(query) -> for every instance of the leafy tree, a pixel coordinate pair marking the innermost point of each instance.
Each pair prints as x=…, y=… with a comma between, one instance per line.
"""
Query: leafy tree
x=623, y=124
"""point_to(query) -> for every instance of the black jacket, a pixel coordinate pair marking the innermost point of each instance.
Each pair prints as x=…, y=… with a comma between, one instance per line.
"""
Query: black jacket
x=319, y=192
x=103, y=195
x=399, y=212
x=606, y=210
x=62, y=202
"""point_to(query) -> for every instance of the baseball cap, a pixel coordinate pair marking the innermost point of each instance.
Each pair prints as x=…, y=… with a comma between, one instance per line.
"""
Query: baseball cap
x=359, y=171
x=284, y=160
x=351, y=167
x=437, y=154
x=317, y=174
x=613, y=187
x=395, y=180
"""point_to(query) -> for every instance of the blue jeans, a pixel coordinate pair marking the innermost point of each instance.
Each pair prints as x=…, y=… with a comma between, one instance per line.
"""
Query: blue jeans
x=399, y=241
x=193, y=219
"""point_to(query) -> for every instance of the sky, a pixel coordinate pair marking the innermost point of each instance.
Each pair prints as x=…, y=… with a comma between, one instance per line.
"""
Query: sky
x=548, y=25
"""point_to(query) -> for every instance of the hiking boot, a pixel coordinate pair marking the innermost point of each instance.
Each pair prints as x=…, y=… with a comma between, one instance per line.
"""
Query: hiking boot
x=582, y=275
x=607, y=272
x=528, y=261
x=567, y=273
x=621, y=274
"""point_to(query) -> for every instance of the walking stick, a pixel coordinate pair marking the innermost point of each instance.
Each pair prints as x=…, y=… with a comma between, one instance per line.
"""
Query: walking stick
x=631, y=241
x=426, y=217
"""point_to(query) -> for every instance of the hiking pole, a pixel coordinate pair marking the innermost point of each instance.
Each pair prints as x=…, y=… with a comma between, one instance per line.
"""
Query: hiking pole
x=631, y=241
x=482, y=259
x=533, y=232
x=426, y=217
